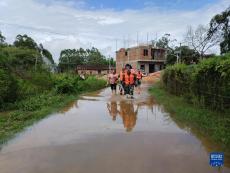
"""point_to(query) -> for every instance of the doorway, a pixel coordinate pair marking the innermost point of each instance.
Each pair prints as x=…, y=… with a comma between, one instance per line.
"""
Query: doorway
x=151, y=68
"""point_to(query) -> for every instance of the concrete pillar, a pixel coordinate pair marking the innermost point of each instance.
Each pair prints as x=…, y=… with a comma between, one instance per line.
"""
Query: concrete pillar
x=146, y=68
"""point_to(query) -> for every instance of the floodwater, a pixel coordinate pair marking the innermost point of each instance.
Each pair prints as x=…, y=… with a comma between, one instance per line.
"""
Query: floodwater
x=102, y=133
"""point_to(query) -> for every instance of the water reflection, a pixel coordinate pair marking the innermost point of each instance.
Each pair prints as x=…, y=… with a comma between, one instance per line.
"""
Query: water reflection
x=127, y=110
x=128, y=114
x=69, y=106
x=113, y=110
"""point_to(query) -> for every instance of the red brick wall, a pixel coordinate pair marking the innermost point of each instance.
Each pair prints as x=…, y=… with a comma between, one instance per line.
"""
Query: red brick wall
x=136, y=54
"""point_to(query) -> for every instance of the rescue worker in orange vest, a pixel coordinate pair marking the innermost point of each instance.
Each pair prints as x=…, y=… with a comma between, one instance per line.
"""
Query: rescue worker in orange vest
x=129, y=79
x=121, y=81
x=139, y=77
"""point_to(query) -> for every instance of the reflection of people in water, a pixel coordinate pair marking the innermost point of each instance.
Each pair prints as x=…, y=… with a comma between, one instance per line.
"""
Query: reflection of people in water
x=113, y=111
x=128, y=115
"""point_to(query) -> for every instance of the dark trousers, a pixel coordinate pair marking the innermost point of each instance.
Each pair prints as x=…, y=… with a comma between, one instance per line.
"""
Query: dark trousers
x=129, y=89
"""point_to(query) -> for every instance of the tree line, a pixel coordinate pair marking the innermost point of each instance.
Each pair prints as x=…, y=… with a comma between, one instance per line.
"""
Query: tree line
x=70, y=58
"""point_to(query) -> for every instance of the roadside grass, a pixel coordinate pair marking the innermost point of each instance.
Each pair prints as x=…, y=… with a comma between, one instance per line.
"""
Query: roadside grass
x=215, y=125
x=34, y=108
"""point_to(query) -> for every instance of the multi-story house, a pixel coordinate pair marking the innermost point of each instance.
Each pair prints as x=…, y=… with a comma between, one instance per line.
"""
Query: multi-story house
x=145, y=57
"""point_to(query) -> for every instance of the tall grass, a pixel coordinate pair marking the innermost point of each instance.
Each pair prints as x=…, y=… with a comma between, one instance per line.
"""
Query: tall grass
x=212, y=124
x=37, y=101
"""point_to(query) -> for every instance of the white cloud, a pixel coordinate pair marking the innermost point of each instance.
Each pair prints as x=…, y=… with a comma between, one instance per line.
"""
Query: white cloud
x=60, y=26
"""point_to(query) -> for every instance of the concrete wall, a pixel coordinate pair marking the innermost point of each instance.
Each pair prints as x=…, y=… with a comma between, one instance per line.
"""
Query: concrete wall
x=133, y=55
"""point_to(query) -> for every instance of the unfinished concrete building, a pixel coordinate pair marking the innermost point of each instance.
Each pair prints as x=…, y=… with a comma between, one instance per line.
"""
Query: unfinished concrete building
x=145, y=57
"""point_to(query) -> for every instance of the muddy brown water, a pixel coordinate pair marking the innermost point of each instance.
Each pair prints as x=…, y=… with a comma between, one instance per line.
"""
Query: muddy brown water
x=103, y=133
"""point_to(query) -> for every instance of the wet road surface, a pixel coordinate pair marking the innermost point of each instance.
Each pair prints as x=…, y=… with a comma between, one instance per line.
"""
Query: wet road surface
x=103, y=133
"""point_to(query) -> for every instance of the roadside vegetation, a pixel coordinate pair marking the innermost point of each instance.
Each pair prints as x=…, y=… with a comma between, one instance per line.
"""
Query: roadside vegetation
x=31, y=88
x=195, y=87
x=199, y=96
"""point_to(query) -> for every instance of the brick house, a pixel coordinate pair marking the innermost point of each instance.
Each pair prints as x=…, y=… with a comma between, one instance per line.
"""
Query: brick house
x=93, y=69
x=145, y=57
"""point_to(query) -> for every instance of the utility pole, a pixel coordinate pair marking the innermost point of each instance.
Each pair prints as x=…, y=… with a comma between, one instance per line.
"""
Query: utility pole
x=109, y=64
x=147, y=38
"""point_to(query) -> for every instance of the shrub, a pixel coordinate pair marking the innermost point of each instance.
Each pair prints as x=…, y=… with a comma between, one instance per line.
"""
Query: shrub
x=211, y=82
x=176, y=79
x=38, y=101
x=42, y=79
x=207, y=83
x=71, y=83
x=8, y=87
x=91, y=84
x=66, y=83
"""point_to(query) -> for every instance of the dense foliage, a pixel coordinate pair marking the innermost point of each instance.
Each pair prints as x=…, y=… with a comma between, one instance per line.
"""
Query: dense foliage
x=207, y=83
x=8, y=87
x=29, y=90
x=219, y=25
x=70, y=58
x=24, y=76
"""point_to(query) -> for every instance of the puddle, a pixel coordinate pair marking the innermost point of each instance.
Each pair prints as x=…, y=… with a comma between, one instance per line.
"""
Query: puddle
x=104, y=133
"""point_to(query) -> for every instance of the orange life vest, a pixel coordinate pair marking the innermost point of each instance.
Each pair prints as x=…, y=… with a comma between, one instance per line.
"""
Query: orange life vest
x=129, y=79
x=139, y=76
x=122, y=74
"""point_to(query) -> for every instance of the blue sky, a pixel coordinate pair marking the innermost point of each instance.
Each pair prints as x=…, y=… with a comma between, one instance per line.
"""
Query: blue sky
x=136, y=4
x=139, y=4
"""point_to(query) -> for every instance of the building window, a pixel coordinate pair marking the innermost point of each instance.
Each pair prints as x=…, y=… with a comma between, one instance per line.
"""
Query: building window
x=142, y=67
x=126, y=53
x=146, y=52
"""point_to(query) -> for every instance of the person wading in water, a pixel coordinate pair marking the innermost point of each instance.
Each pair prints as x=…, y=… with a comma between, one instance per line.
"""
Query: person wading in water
x=112, y=80
x=121, y=81
x=138, y=81
x=129, y=80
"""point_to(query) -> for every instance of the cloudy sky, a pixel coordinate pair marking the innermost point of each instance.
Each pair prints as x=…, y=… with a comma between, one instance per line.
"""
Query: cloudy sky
x=60, y=24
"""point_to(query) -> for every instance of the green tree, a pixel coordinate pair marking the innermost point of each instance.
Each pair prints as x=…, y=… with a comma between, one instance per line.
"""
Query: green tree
x=8, y=87
x=188, y=55
x=25, y=42
x=20, y=59
x=46, y=53
x=95, y=57
x=70, y=58
x=185, y=54
x=219, y=25
x=163, y=42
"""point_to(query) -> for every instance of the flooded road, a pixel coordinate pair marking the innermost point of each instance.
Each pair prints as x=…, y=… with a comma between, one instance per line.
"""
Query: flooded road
x=102, y=133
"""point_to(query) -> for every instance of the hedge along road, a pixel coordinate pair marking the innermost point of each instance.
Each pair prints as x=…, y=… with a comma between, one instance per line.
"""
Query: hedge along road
x=103, y=133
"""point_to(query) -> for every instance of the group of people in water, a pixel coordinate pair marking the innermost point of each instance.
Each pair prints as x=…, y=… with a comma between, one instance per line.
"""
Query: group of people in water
x=127, y=79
